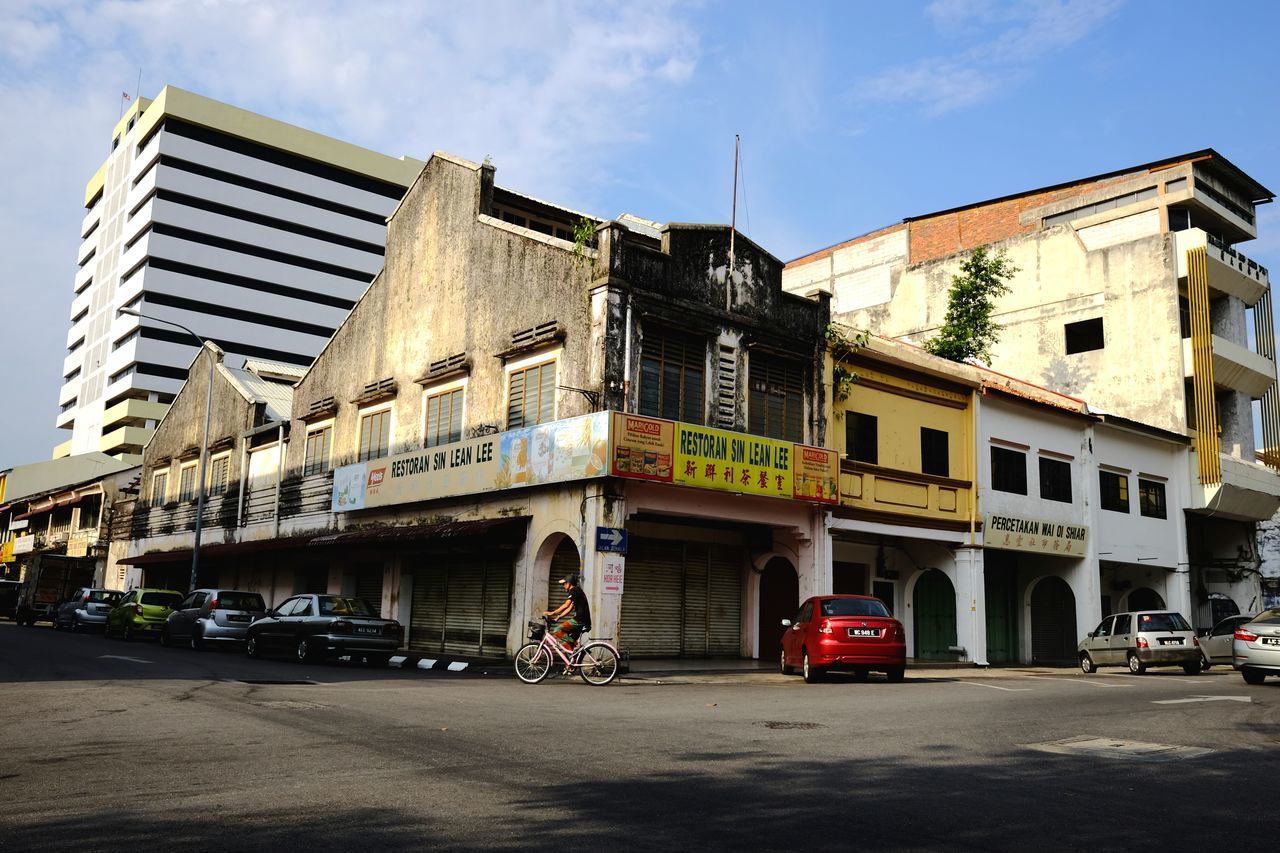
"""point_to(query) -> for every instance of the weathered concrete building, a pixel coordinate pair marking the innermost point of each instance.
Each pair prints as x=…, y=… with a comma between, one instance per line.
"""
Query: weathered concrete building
x=518, y=386
x=1130, y=294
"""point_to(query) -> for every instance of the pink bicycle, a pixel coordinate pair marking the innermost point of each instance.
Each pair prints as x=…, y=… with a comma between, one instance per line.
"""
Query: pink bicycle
x=596, y=661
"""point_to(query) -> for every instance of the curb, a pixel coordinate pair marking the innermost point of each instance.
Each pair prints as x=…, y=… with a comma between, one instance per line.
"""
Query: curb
x=429, y=664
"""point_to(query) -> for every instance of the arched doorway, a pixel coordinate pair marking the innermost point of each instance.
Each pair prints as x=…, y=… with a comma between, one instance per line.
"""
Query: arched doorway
x=779, y=598
x=1053, y=622
x=1145, y=598
x=564, y=561
x=935, y=616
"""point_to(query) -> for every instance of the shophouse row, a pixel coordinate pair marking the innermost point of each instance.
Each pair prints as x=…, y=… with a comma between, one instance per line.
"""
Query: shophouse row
x=503, y=406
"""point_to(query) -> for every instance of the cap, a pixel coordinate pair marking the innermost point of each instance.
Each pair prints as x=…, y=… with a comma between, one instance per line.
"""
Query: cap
x=571, y=579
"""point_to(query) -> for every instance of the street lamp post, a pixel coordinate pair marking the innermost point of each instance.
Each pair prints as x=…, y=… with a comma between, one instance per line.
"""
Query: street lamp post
x=204, y=439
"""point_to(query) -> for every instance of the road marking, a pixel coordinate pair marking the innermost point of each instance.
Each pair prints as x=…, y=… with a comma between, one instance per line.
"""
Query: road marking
x=122, y=657
x=1202, y=699
x=457, y=666
x=1087, y=681
x=993, y=687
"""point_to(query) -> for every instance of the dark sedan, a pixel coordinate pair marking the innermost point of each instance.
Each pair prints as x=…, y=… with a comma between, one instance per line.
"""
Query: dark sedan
x=315, y=627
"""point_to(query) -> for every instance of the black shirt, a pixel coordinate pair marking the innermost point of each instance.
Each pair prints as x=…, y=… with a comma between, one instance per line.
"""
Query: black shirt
x=581, y=609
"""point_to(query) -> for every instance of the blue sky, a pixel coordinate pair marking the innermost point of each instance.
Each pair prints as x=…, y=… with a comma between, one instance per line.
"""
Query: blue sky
x=853, y=115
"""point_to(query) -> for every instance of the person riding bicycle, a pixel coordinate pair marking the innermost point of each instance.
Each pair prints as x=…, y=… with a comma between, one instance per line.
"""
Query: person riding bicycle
x=573, y=617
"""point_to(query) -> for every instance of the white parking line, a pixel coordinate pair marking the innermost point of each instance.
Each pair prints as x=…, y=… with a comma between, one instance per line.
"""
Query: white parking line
x=122, y=657
x=994, y=687
x=1088, y=681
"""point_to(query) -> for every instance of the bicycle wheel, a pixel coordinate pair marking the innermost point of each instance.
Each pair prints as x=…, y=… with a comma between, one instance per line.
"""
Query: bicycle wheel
x=532, y=663
x=598, y=663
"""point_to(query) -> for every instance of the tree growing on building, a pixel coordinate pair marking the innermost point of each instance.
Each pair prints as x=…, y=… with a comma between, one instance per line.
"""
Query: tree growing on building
x=968, y=330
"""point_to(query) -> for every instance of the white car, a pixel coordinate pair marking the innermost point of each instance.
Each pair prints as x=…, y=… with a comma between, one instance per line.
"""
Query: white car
x=1216, y=642
x=1255, y=647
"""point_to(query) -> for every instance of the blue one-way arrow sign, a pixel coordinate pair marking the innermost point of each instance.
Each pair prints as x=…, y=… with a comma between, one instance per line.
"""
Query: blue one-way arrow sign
x=611, y=539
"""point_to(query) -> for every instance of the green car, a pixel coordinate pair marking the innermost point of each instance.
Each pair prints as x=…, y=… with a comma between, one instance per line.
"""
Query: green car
x=141, y=612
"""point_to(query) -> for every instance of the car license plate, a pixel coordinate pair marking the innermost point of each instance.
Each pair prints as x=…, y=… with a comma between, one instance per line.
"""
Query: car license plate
x=368, y=630
x=237, y=618
x=864, y=632
x=1270, y=641
x=1171, y=642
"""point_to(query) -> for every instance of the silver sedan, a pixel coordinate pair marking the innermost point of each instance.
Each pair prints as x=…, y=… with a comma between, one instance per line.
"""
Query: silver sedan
x=1255, y=647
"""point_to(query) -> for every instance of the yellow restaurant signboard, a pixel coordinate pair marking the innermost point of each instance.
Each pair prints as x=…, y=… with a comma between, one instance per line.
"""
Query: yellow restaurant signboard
x=597, y=445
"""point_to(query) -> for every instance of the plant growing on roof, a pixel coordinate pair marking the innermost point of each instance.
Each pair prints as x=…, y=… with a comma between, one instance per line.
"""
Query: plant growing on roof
x=584, y=234
x=843, y=343
x=968, y=330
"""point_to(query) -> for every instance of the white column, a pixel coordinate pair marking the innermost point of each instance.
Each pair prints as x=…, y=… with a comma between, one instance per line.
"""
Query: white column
x=971, y=604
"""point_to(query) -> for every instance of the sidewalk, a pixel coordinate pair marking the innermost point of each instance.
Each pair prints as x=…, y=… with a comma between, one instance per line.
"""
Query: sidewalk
x=664, y=669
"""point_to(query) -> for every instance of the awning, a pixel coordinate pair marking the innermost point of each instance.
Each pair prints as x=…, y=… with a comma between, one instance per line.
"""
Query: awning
x=497, y=530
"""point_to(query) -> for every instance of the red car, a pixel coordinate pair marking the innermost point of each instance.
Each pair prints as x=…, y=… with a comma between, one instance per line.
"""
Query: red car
x=848, y=632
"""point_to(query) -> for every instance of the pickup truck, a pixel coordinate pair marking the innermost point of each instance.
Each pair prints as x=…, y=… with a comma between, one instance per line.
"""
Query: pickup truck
x=50, y=579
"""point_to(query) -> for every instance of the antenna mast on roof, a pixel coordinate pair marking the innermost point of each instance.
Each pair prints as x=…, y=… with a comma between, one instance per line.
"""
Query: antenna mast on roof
x=733, y=229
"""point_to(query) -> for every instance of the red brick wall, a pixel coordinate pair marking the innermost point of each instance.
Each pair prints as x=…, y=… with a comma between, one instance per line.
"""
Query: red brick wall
x=961, y=230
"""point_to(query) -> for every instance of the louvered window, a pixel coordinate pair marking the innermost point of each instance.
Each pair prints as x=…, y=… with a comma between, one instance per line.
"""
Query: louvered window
x=319, y=444
x=727, y=387
x=673, y=369
x=444, y=417
x=187, y=482
x=531, y=396
x=219, y=473
x=159, y=489
x=375, y=435
x=775, y=407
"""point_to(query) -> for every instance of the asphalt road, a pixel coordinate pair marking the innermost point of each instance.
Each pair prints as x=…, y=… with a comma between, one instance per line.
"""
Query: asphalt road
x=113, y=746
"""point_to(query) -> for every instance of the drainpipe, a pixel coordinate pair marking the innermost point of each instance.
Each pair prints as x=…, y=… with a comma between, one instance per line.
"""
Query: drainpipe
x=275, y=509
x=244, y=480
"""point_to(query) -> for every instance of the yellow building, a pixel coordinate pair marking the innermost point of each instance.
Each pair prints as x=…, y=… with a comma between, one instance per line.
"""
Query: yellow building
x=907, y=526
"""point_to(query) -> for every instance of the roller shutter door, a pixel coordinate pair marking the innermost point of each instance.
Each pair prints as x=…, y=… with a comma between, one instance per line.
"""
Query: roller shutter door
x=650, y=623
x=462, y=607
x=682, y=599
x=1053, y=622
x=369, y=585
x=724, y=594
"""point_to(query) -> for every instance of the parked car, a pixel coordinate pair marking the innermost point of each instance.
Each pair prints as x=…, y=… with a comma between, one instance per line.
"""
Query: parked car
x=1215, y=643
x=141, y=612
x=1255, y=647
x=1140, y=639
x=212, y=616
x=846, y=632
x=88, y=607
x=313, y=627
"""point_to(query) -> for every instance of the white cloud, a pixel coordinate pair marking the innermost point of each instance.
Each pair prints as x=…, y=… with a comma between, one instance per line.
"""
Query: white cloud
x=554, y=92
x=1008, y=40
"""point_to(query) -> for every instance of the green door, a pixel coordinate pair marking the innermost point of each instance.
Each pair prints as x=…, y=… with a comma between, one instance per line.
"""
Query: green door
x=1001, y=592
x=935, y=606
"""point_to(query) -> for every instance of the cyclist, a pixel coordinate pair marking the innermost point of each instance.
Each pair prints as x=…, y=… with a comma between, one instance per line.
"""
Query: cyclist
x=573, y=617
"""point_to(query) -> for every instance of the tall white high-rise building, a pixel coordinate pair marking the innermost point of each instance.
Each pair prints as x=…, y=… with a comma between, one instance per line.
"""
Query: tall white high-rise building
x=253, y=233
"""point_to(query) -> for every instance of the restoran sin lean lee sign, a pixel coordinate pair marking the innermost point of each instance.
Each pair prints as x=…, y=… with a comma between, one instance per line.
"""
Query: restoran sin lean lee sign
x=596, y=445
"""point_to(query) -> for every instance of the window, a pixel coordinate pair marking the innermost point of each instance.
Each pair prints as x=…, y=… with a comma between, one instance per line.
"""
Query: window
x=444, y=417
x=1115, y=491
x=1008, y=470
x=1055, y=480
x=1084, y=336
x=375, y=435
x=673, y=369
x=1104, y=628
x=934, y=454
x=1123, y=623
x=1151, y=499
x=861, y=440
x=187, y=482
x=159, y=488
x=219, y=473
x=319, y=444
x=531, y=395
x=775, y=404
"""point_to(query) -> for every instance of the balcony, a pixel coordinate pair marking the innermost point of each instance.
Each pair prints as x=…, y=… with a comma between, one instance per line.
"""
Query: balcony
x=133, y=413
x=91, y=220
x=1234, y=367
x=1230, y=272
x=1248, y=491
x=889, y=492
x=127, y=440
x=62, y=450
